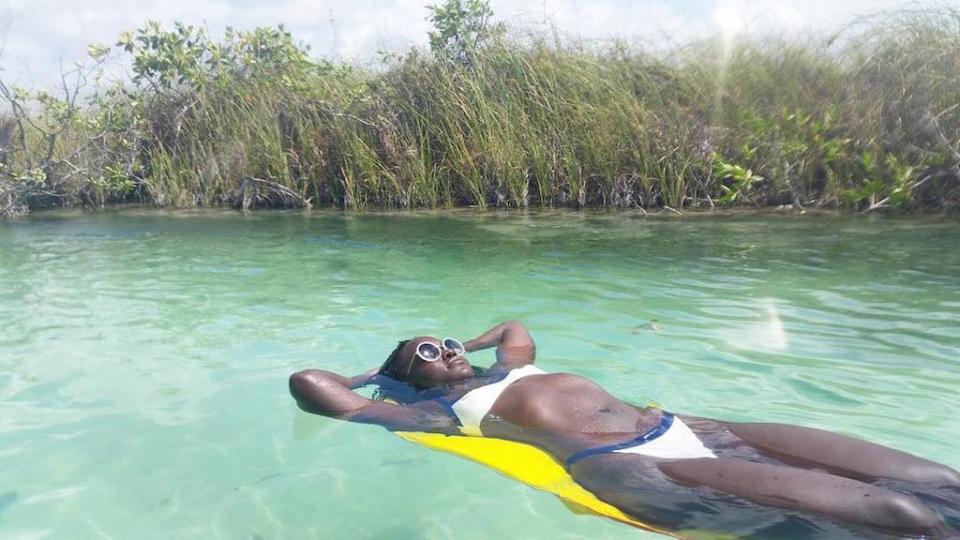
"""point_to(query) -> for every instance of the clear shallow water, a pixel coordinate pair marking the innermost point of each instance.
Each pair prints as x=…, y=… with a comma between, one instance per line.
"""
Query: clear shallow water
x=144, y=357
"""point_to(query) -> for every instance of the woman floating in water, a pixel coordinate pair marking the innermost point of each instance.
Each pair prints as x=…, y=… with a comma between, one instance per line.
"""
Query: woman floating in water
x=670, y=470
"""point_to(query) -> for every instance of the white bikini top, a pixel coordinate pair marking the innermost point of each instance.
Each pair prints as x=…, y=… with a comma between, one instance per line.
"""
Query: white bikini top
x=475, y=404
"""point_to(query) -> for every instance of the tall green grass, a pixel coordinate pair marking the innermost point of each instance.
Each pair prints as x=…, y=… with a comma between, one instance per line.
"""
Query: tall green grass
x=864, y=120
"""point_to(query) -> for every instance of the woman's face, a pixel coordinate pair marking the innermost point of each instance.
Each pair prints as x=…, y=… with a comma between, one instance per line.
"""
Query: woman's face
x=450, y=367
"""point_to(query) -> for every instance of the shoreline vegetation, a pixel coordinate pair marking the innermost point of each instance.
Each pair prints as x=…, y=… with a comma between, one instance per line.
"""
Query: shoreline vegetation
x=494, y=117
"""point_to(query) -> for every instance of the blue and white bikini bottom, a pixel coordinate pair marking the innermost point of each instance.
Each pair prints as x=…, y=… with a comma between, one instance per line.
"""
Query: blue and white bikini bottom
x=670, y=439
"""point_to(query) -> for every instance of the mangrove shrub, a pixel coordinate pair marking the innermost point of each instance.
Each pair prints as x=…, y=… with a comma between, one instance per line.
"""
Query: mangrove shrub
x=490, y=116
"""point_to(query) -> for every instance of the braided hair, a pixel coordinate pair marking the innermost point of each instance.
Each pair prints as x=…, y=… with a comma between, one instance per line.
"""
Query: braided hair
x=391, y=383
x=389, y=367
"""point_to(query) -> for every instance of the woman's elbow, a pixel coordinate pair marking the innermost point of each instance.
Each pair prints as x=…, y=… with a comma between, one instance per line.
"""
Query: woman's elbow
x=300, y=381
x=307, y=387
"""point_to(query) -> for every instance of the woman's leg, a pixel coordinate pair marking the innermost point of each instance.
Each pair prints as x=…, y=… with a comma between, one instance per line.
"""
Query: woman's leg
x=690, y=494
x=842, y=455
x=636, y=486
x=831, y=496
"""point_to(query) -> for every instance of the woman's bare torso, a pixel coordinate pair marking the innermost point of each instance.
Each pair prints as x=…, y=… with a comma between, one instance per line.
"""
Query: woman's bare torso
x=563, y=414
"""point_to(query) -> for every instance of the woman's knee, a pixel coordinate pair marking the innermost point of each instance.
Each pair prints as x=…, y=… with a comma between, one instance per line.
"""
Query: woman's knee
x=939, y=475
x=903, y=513
x=928, y=473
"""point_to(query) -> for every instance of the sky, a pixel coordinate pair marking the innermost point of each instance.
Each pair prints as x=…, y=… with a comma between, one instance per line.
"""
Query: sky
x=40, y=36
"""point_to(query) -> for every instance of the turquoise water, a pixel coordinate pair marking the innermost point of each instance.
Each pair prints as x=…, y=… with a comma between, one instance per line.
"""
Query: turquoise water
x=144, y=356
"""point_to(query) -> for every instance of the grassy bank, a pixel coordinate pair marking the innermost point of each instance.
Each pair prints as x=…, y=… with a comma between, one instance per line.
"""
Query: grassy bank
x=868, y=119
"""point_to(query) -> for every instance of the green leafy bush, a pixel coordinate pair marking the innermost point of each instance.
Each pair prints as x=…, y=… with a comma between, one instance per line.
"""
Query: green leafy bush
x=494, y=118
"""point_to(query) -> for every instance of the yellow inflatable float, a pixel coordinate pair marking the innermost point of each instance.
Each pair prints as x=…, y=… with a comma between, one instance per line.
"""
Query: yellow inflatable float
x=530, y=465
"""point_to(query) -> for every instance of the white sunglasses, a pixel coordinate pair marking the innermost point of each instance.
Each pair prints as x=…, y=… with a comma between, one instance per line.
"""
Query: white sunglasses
x=431, y=352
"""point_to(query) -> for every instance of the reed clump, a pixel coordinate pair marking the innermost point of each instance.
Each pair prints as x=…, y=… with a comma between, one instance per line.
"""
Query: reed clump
x=866, y=120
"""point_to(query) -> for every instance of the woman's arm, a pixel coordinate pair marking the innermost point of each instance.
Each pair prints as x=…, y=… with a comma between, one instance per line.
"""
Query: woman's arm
x=329, y=394
x=350, y=382
x=515, y=346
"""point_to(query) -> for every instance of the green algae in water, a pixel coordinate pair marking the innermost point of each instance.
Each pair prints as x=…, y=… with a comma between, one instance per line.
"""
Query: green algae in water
x=144, y=357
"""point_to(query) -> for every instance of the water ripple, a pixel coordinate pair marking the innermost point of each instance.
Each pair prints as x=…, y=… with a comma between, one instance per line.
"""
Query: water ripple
x=143, y=357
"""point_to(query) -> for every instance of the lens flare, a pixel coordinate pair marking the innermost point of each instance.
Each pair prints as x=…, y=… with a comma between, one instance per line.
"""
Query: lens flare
x=728, y=20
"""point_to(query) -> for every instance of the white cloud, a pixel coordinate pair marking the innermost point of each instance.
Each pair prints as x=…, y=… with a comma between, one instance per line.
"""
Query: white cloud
x=39, y=34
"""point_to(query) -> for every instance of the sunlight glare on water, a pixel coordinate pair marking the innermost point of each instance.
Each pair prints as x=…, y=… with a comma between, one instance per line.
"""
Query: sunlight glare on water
x=144, y=356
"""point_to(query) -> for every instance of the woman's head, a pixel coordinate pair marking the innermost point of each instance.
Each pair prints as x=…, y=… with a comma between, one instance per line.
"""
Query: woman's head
x=426, y=362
